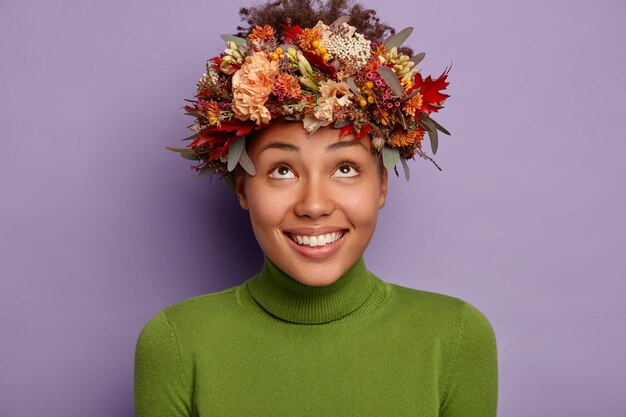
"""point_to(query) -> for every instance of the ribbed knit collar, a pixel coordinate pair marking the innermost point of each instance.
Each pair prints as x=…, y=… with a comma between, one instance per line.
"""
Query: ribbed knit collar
x=288, y=299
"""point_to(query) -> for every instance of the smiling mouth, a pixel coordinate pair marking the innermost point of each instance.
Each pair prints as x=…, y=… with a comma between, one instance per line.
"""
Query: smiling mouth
x=317, y=240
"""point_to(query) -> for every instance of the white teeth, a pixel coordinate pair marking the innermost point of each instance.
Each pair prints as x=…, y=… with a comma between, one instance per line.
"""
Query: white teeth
x=319, y=240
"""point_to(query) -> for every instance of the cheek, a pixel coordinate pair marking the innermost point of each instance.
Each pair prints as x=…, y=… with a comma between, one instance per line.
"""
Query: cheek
x=267, y=209
x=361, y=206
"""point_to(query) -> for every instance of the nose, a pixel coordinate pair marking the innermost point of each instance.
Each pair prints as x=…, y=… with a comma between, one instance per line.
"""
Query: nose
x=315, y=199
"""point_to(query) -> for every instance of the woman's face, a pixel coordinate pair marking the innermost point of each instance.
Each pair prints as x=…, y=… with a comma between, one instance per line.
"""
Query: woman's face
x=314, y=201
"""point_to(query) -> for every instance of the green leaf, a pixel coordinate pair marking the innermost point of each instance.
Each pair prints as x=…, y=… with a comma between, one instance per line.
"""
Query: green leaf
x=234, y=152
x=438, y=126
x=196, y=114
x=417, y=58
x=354, y=88
x=246, y=163
x=391, y=79
x=206, y=171
x=190, y=155
x=402, y=118
x=194, y=136
x=398, y=39
x=407, y=173
x=186, y=153
x=172, y=148
x=423, y=125
x=342, y=123
x=432, y=134
x=413, y=93
x=390, y=157
x=238, y=41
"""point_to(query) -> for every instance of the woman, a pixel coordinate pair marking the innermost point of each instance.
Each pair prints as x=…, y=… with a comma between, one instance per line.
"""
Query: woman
x=314, y=333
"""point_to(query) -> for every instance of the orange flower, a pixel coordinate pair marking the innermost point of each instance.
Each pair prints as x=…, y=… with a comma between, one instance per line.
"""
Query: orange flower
x=413, y=104
x=252, y=85
x=401, y=138
x=261, y=33
x=287, y=87
x=307, y=37
x=213, y=113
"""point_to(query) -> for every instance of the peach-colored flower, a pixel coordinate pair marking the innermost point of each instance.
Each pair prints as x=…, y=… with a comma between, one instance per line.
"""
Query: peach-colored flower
x=333, y=94
x=252, y=85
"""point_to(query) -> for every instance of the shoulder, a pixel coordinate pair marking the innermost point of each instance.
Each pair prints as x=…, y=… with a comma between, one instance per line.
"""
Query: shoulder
x=445, y=312
x=193, y=314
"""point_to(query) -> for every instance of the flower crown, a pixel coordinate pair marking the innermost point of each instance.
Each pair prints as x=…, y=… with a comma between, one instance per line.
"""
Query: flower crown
x=324, y=75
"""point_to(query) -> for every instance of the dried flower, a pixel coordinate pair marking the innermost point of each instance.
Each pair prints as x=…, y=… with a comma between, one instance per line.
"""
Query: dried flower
x=287, y=87
x=401, y=138
x=349, y=47
x=252, y=85
x=332, y=94
x=261, y=33
x=310, y=38
x=413, y=104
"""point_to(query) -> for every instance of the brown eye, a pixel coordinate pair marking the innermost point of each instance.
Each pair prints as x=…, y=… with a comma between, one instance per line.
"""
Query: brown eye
x=282, y=171
x=346, y=171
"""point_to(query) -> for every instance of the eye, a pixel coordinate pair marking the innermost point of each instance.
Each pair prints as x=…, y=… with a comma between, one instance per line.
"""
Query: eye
x=281, y=171
x=346, y=170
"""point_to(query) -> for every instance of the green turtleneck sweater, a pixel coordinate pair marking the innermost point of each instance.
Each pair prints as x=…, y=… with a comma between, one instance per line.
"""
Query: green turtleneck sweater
x=274, y=347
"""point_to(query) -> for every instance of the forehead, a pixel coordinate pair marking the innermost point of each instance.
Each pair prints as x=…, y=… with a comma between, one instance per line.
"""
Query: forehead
x=293, y=133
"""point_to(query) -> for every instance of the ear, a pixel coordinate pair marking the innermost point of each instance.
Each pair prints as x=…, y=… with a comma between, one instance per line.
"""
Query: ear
x=383, y=188
x=240, y=190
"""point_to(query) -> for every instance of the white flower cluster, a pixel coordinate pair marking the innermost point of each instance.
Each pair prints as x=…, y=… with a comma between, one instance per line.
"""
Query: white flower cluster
x=210, y=76
x=349, y=47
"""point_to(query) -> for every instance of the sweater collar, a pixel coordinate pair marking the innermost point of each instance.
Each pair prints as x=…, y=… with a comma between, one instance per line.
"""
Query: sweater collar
x=288, y=299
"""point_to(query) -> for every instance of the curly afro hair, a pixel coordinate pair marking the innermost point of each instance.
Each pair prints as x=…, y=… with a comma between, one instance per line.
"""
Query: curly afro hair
x=306, y=13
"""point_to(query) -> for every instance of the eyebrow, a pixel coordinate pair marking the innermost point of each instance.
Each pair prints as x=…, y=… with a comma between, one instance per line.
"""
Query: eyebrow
x=293, y=148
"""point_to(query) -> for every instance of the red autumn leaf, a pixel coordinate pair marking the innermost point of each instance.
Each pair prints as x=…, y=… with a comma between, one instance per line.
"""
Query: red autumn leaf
x=217, y=61
x=348, y=129
x=240, y=128
x=220, y=138
x=291, y=32
x=364, y=131
x=318, y=62
x=431, y=91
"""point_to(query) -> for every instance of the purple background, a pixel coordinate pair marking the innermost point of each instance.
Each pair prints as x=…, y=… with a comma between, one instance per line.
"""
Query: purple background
x=101, y=226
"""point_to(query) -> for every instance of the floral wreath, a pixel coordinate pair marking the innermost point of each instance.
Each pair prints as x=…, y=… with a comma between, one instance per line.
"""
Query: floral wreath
x=324, y=75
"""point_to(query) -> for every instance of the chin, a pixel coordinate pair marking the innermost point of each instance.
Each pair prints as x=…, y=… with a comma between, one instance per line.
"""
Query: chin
x=318, y=273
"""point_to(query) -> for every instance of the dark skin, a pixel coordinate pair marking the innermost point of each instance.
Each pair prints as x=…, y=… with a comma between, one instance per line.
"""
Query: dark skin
x=323, y=187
